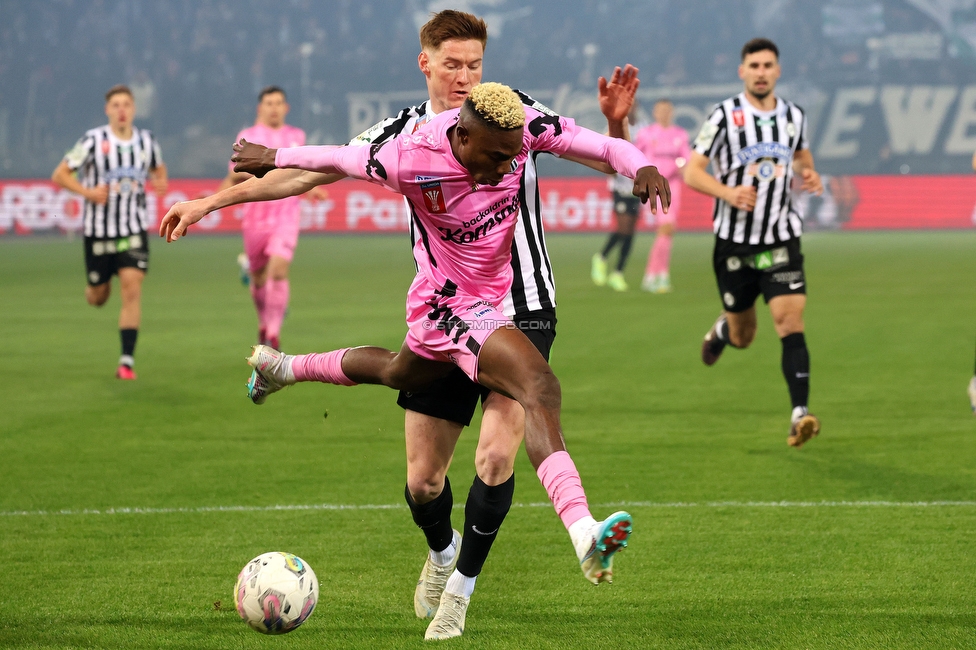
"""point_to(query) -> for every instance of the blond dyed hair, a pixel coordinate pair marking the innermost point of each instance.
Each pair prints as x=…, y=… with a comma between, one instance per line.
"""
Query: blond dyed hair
x=498, y=105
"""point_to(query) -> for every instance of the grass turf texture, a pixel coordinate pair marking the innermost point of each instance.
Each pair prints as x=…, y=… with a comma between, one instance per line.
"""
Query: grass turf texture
x=890, y=328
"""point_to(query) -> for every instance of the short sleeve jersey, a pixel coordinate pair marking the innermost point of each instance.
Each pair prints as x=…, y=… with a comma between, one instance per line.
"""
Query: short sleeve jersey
x=101, y=158
x=752, y=147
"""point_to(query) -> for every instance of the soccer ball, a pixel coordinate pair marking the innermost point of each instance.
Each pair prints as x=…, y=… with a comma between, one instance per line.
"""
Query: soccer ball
x=276, y=592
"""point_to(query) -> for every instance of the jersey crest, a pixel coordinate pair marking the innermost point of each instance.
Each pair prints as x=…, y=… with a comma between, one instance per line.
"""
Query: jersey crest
x=433, y=196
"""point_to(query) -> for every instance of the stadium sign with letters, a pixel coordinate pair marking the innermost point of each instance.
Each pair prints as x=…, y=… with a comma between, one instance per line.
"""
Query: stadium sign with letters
x=568, y=205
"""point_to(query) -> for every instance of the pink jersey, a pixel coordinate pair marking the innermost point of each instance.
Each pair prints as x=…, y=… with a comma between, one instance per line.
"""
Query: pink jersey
x=663, y=145
x=269, y=214
x=465, y=229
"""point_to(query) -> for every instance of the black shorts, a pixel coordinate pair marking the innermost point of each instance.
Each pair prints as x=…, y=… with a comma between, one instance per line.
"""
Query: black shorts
x=104, y=257
x=774, y=272
x=626, y=204
x=455, y=397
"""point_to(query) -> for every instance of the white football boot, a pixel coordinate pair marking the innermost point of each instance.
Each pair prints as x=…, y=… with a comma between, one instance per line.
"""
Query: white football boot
x=803, y=426
x=433, y=579
x=596, y=549
x=448, y=622
x=972, y=394
x=272, y=372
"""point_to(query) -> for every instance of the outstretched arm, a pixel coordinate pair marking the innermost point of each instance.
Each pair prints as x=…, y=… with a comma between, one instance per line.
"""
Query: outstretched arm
x=279, y=184
x=625, y=159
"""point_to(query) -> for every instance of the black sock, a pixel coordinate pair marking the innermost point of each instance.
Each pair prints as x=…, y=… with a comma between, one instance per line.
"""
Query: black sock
x=796, y=368
x=129, y=342
x=626, y=242
x=484, y=513
x=434, y=517
x=611, y=242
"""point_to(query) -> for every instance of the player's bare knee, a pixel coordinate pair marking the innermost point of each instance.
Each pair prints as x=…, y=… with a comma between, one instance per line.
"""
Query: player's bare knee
x=96, y=297
x=425, y=487
x=494, y=464
x=788, y=323
x=742, y=338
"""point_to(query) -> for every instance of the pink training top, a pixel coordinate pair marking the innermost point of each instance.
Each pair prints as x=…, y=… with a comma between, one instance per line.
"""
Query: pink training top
x=267, y=213
x=465, y=230
x=662, y=145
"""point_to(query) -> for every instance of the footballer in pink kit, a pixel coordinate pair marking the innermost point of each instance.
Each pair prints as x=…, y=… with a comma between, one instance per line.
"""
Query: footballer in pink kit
x=666, y=145
x=465, y=226
x=270, y=228
x=461, y=175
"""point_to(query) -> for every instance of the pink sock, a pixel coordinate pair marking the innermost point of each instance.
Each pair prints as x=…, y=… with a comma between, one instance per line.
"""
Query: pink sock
x=258, y=294
x=561, y=480
x=276, y=303
x=326, y=368
x=660, y=259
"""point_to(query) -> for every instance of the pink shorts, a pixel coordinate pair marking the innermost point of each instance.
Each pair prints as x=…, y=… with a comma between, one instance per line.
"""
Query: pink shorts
x=276, y=239
x=450, y=325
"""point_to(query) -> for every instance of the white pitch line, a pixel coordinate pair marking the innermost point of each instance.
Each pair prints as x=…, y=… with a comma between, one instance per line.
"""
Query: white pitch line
x=618, y=504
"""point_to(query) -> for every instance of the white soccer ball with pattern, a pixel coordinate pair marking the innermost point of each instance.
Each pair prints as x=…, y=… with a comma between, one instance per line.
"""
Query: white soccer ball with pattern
x=276, y=592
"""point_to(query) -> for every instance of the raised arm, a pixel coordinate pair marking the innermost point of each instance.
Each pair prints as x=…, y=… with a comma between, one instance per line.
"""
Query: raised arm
x=616, y=98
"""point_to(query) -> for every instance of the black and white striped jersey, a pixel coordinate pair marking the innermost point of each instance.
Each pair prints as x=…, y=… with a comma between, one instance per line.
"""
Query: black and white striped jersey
x=751, y=147
x=100, y=158
x=533, y=287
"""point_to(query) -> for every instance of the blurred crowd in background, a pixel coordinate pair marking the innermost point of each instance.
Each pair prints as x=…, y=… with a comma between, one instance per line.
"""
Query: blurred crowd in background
x=196, y=67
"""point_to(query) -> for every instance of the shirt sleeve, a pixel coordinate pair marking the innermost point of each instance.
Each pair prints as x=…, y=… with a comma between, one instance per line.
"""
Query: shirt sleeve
x=803, y=144
x=384, y=130
x=623, y=156
x=82, y=153
x=377, y=163
x=156, y=154
x=711, y=132
x=548, y=131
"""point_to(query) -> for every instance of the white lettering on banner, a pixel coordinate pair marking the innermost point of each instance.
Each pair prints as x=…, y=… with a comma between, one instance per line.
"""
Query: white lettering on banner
x=962, y=138
x=914, y=115
x=386, y=214
x=571, y=213
x=315, y=214
x=842, y=121
x=39, y=207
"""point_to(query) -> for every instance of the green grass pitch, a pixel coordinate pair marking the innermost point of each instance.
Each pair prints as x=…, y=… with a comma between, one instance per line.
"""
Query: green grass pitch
x=127, y=508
